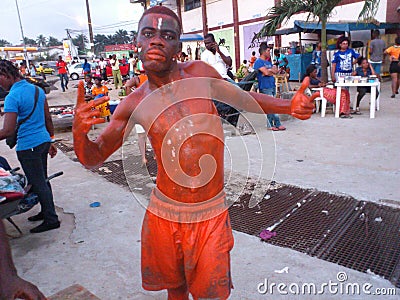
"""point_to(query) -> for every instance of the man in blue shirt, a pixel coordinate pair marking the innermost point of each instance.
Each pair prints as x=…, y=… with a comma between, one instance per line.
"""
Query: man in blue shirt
x=343, y=60
x=33, y=139
x=266, y=82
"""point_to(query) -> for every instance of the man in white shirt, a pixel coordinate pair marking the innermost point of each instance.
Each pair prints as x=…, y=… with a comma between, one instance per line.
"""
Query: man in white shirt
x=116, y=72
x=103, y=68
x=132, y=65
x=216, y=56
x=219, y=58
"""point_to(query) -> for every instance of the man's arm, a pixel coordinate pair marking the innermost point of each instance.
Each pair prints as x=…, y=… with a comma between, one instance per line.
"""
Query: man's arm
x=300, y=106
x=93, y=153
x=225, y=57
x=268, y=72
x=333, y=68
x=10, y=121
x=11, y=285
x=50, y=128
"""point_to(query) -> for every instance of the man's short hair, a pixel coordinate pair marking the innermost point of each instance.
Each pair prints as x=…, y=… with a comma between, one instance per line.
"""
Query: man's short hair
x=263, y=47
x=162, y=10
x=211, y=36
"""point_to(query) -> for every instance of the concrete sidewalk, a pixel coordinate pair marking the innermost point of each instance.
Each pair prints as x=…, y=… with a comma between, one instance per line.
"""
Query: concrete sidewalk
x=99, y=248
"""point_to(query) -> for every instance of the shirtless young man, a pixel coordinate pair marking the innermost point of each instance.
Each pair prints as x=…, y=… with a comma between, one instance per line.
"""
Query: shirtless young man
x=183, y=254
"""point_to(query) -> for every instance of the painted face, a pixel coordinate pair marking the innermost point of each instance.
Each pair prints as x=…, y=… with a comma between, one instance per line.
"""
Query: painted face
x=159, y=41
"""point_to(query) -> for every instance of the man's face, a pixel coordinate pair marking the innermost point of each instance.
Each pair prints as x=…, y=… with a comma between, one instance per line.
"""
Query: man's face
x=268, y=53
x=210, y=44
x=5, y=82
x=159, y=41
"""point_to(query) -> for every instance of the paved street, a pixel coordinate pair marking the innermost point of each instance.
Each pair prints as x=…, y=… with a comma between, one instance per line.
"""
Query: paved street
x=99, y=248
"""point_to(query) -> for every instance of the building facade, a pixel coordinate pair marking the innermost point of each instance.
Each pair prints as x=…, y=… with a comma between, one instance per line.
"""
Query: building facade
x=234, y=22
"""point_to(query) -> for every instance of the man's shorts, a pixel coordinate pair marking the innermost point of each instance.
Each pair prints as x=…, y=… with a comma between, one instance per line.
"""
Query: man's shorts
x=194, y=254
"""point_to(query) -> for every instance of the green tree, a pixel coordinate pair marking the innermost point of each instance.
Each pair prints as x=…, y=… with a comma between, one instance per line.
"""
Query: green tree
x=100, y=40
x=319, y=10
x=52, y=41
x=30, y=42
x=133, y=36
x=80, y=41
x=41, y=40
x=111, y=40
x=4, y=43
x=122, y=37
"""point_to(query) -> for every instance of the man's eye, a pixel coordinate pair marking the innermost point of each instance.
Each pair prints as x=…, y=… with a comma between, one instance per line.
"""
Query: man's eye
x=169, y=37
x=148, y=34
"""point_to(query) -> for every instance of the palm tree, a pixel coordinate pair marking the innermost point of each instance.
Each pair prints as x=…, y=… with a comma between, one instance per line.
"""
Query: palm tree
x=133, y=36
x=53, y=41
x=41, y=40
x=122, y=36
x=4, y=43
x=319, y=10
x=29, y=41
x=100, y=40
x=80, y=41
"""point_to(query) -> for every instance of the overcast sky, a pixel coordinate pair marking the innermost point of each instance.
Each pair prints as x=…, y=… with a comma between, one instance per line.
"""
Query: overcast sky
x=52, y=17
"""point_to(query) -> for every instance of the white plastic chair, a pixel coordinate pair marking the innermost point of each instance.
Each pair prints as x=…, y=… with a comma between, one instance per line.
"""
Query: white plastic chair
x=322, y=100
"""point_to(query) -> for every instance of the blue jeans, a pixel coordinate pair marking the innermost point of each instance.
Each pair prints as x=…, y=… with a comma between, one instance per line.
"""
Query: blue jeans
x=273, y=120
x=34, y=163
x=62, y=78
x=377, y=67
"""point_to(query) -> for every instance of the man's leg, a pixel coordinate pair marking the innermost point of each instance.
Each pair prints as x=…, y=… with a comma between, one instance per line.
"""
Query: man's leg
x=377, y=68
x=361, y=93
x=62, y=82
x=115, y=79
x=119, y=78
x=66, y=80
x=32, y=162
x=142, y=147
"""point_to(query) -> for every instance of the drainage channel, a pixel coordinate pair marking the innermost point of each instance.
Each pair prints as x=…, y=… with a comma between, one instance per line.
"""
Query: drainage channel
x=359, y=235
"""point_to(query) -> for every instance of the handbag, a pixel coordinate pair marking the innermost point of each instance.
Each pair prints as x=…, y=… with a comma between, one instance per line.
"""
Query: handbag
x=11, y=141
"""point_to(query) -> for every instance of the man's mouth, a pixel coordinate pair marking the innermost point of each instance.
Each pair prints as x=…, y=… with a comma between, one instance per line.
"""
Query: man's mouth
x=155, y=55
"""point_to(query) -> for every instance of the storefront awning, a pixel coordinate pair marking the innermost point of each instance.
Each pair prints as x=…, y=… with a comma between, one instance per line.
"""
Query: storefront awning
x=334, y=27
x=189, y=37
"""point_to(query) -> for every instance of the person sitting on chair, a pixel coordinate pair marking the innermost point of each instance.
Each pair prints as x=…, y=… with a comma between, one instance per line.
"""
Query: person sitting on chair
x=329, y=93
x=365, y=69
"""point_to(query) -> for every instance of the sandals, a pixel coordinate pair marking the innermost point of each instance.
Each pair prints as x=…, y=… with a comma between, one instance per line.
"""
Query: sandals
x=343, y=116
x=356, y=112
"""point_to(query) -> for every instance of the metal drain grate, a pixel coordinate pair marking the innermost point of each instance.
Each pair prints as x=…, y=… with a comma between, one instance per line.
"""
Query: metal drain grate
x=273, y=207
x=313, y=222
x=371, y=242
x=63, y=147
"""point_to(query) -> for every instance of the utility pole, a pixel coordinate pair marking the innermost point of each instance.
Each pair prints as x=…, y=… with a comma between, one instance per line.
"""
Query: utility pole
x=90, y=27
x=23, y=38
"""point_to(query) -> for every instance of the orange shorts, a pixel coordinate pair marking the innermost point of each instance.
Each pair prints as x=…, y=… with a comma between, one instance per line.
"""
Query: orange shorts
x=195, y=254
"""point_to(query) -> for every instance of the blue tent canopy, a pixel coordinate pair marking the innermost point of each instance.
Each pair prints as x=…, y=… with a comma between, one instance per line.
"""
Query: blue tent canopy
x=189, y=37
x=334, y=27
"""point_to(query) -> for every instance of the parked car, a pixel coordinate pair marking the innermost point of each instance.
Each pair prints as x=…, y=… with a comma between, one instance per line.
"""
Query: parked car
x=76, y=70
x=46, y=69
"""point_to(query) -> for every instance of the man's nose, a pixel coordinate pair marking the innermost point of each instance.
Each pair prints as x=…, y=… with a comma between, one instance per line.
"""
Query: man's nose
x=157, y=41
